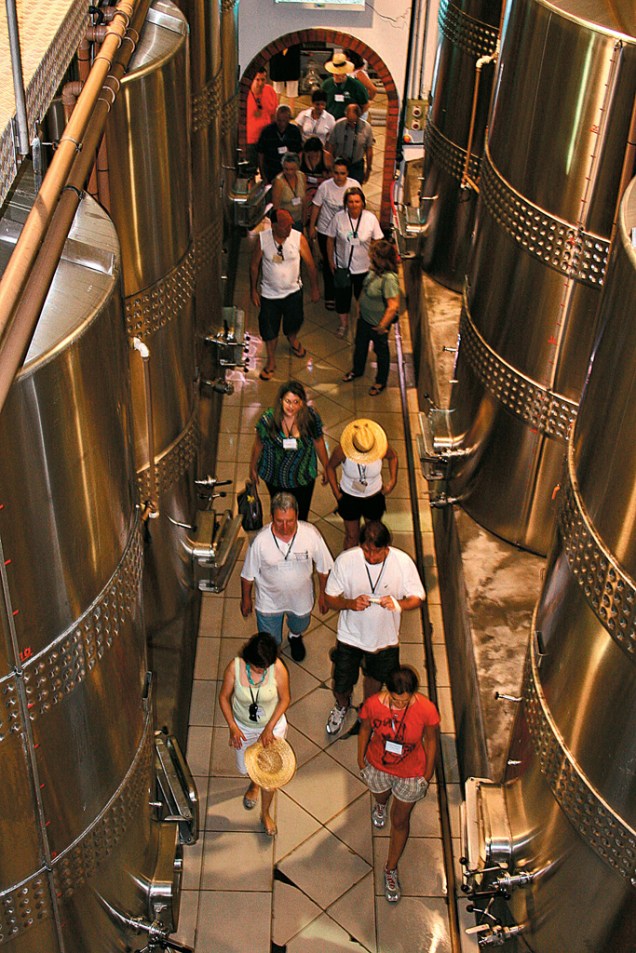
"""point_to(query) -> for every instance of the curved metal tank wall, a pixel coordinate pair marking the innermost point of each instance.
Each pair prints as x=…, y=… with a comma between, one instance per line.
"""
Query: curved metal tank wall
x=548, y=195
x=572, y=801
x=230, y=97
x=468, y=30
x=76, y=739
x=148, y=138
x=206, y=74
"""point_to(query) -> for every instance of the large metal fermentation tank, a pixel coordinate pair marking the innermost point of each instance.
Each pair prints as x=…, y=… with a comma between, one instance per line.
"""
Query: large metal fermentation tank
x=468, y=34
x=571, y=789
x=76, y=735
x=554, y=157
x=149, y=150
x=230, y=97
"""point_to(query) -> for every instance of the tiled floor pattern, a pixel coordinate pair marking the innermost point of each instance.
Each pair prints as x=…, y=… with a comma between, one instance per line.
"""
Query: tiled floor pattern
x=317, y=886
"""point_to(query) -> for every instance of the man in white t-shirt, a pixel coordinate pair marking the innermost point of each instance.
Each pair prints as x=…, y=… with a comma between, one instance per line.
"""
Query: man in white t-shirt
x=371, y=585
x=280, y=564
x=326, y=202
x=316, y=121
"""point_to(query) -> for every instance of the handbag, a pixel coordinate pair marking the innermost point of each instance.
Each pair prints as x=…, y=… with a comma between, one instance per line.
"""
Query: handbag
x=250, y=508
x=342, y=278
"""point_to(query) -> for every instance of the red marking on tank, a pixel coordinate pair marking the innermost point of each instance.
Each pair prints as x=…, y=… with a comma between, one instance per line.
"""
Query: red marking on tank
x=7, y=562
x=46, y=823
x=26, y=653
x=43, y=785
x=53, y=854
x=595, y=128
x=31, y=704
x=552, y=339
x=15, y=612
x=533, y=430
x=1, y=506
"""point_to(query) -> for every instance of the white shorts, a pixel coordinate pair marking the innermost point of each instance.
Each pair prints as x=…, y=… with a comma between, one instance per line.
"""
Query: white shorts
x=252, y=733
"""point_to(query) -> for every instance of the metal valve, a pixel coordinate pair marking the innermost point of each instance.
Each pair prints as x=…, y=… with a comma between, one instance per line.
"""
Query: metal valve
x=502, y=696
x=499, y=935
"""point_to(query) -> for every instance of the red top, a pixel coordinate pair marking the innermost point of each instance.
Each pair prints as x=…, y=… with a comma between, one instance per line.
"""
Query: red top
x=405, y=726
x=256, y=119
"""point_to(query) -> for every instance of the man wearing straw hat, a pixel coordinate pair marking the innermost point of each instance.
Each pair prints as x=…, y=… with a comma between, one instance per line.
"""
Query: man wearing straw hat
x=371, y=585
x=341, y=88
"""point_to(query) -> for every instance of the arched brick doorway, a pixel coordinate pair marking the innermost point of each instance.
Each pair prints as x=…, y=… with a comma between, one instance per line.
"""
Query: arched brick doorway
x=345, y=40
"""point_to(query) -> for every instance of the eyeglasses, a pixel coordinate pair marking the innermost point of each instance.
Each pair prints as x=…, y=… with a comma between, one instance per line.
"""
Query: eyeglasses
x=279, y=249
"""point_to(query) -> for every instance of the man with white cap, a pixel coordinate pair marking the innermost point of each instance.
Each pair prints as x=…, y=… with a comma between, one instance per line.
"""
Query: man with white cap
x=341, y=88
x=361, y=493
x=371, y=585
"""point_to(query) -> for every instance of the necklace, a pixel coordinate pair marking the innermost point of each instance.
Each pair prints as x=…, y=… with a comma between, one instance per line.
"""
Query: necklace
x=248, y=672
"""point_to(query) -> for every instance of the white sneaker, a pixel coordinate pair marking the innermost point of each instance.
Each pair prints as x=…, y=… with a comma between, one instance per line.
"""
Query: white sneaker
x=391, y=885
x=336, y=719
x=378, y=815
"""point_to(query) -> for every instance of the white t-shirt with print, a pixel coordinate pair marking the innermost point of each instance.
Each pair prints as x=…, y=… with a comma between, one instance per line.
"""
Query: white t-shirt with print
x=373, y=628
x=329, y=198
x=353, y=238
x=282, y=573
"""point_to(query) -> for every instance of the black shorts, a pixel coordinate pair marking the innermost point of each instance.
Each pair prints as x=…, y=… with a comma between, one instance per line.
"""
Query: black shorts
x=343, y=295
x=347, y=660
x=356, y=507
x=290, y=309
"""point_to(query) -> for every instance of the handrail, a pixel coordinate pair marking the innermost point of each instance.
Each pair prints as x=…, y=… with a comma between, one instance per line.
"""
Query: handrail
x=442, y=793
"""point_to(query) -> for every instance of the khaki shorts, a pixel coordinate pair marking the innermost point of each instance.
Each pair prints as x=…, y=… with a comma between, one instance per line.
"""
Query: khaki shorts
x=408, y=790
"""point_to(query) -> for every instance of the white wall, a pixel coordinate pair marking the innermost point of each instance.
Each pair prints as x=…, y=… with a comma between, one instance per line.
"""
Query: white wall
x=384, y=26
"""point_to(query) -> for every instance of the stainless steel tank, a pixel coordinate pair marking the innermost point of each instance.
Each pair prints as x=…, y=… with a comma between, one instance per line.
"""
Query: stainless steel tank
x=570, y=789
x=149, y=150
x=76, y=730
x=230, y=99
x=460, y=99
x=549, y=185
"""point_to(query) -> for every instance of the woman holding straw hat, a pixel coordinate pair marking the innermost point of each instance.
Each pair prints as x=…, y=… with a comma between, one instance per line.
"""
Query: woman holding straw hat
x=254, y=697
x=361, y=493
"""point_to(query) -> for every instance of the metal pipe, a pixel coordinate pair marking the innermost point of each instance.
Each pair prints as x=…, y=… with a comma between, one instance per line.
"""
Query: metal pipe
x=409, y=58
x=22, y=260
x=19, y=312
x=22, y=121
x=442, y=794
x=151, y=505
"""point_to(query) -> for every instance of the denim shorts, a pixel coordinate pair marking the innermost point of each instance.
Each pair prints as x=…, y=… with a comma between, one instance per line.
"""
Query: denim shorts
x=274, y=624
x=408, y=790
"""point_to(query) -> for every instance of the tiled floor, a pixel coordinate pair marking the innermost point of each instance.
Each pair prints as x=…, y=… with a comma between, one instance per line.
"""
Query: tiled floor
x=317, y=886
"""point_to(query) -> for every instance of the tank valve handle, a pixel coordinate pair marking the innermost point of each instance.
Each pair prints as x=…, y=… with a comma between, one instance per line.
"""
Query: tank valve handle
x=499, y=935
x=448, y=349
x=212, y=482
x=502, y=696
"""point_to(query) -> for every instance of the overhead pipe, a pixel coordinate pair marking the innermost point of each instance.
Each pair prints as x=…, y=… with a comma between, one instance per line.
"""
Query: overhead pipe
x=151, y=506
x=481, y=62
x=22, y=121
x=26, y=304
x=20, y=265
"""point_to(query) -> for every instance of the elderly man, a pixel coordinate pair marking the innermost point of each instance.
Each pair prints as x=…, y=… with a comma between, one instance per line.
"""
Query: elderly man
x=352, y=139
x=260, y=111
x=277, y=254
x=275, y=141
x=316, y=121
x=341, y=88
x=371, y=585
x=280, y=563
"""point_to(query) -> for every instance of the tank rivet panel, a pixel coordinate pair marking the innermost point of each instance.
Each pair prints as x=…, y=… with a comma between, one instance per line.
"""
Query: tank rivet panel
x=448, y=155
x=467, y=34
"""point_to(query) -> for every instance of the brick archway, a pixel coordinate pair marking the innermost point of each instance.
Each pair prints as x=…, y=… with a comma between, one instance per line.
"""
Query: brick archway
x=345, y=40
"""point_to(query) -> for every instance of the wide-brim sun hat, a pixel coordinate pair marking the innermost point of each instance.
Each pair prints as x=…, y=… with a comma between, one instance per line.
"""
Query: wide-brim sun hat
x=339, y=64
x=272, y=766
x=364, y=441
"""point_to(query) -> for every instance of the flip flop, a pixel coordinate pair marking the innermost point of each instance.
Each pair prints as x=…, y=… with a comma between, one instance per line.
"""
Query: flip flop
x=342, y=331
x=299, y=351
x=349, y=376
x=376, y=389
x=330, y=305
x=266, y=374
x=270, y=831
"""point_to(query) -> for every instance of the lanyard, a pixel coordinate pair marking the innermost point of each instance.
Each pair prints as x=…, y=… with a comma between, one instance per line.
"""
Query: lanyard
x=293, y=540
x=396, y=734
x=374, y=587
x=362, y=473
x=250, y=682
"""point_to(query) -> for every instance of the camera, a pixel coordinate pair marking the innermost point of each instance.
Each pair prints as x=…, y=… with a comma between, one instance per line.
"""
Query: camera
x=253, y=711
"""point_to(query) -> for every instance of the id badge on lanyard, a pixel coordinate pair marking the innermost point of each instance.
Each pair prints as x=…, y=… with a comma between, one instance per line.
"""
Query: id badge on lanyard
x=393, y=747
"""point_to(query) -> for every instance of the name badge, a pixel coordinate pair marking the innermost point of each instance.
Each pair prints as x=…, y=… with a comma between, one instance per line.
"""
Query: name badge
x=278, y=259
x=282, y=150
x=360, y=485
x=290, y=443
x=312, y=179
x=393, y=747
x=297, y=200
x=353, y=241
x=339, y=98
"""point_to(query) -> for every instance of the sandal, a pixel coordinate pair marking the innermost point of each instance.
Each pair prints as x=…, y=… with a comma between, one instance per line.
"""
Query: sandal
x=266, y=374
x=349, y=376
x=342, y=330
x=299, y=350
x=270, y=828
x=376, y=389
x=249, y=803
x=330, y=305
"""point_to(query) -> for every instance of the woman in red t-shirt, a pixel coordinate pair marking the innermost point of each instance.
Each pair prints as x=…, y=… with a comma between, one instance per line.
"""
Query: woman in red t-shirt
x=397, y=745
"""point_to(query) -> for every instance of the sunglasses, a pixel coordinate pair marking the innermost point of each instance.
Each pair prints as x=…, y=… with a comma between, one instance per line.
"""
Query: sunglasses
x=279, y=249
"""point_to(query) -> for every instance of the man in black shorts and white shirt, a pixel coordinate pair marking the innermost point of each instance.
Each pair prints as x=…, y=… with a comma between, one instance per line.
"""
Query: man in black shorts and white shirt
x=371, y=585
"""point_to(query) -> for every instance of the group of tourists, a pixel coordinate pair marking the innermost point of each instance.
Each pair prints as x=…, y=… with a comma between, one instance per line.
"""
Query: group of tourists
x=370, y=584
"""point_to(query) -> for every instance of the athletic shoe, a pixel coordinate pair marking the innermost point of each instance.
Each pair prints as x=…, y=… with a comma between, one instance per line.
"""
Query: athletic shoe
x=297, y=648
x=335, y=720
x=378, y=815
x=391, y=885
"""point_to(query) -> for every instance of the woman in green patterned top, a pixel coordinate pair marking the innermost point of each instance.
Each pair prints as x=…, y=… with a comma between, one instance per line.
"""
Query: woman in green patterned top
x=288, y=440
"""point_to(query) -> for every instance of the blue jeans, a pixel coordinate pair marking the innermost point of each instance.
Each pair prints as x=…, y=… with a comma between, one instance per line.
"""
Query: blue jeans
x=274, y=624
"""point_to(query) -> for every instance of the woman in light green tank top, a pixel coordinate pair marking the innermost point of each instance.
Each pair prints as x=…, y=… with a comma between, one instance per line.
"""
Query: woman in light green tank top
x=254, y=697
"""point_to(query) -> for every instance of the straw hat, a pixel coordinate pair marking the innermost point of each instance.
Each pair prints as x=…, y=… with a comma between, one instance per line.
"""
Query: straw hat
x=270, y=767
x=364, y=441
x=339, y=64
